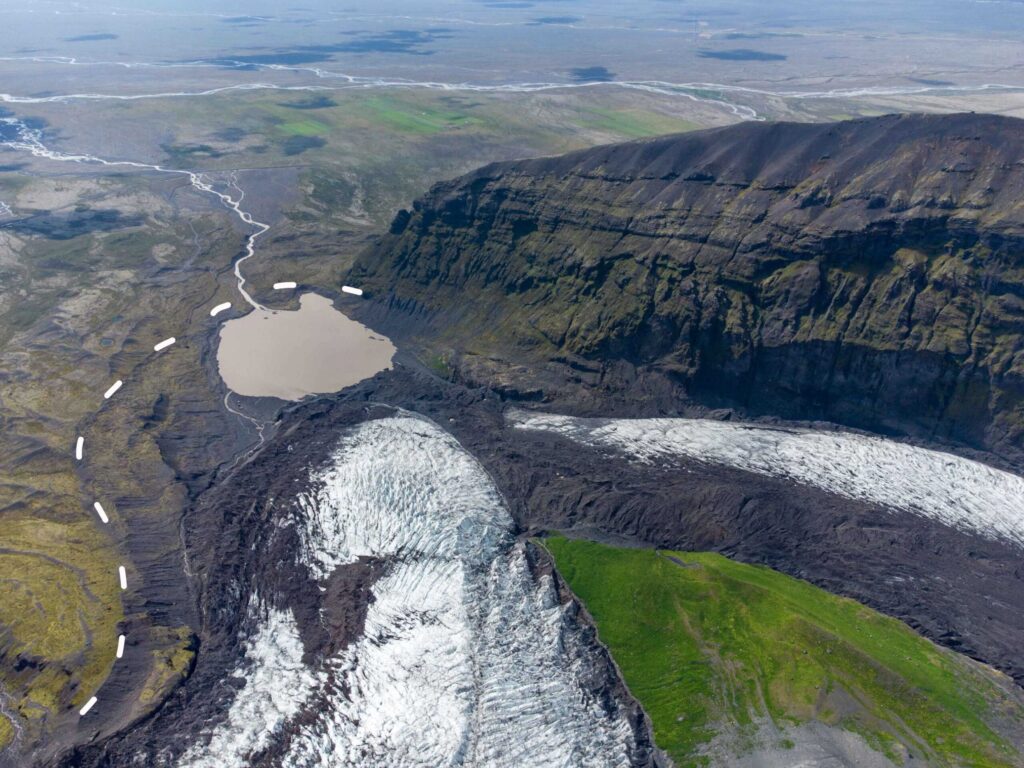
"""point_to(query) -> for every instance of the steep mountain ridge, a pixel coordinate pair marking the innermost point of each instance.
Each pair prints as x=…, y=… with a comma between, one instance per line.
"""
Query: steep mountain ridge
x=865, y=272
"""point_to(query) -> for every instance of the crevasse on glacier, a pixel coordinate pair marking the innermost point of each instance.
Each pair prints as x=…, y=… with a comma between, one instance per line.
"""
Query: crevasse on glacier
x=277, y=684
x=467, y=659
x=951, y=490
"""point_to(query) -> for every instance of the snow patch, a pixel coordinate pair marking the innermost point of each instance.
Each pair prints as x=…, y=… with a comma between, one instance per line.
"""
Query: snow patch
x=951, y=490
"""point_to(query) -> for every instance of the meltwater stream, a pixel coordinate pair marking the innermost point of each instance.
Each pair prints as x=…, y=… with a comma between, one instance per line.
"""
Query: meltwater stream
x=20, y=136
x=467, y=658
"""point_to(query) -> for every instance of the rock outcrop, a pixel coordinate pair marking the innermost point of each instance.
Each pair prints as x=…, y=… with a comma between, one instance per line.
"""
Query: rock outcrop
x=868, y=273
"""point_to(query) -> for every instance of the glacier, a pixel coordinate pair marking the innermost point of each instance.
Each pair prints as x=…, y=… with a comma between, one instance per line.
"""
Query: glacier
x=277, y=685
x=467, y=657
x=951, y=490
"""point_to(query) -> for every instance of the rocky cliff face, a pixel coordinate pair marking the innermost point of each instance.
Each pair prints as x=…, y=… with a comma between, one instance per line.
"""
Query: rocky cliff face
x=868, y=272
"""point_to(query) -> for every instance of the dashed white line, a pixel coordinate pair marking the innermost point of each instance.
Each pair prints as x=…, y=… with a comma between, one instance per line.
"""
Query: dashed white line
x=88, y=705
x=101, y=512
x=122, y=574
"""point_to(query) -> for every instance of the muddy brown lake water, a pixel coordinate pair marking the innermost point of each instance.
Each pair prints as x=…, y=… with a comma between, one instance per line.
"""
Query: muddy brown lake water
x=312, y=350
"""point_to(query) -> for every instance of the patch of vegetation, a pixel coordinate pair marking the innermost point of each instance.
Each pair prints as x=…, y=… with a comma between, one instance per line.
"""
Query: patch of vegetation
x=412, y=117
x=633, y=124
x=6, y=732
x=170, y=663
x=61, y=603
x=704, y=641
x=304, y=128
x=440, y=364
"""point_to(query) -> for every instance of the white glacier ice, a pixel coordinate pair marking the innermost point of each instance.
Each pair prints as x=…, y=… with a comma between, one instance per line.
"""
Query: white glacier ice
x=466, y=658
x=401, y=487
x=954, y=491
x=277, y=684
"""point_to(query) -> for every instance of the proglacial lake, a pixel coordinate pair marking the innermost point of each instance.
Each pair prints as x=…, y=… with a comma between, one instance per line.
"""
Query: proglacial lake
x=312, y=350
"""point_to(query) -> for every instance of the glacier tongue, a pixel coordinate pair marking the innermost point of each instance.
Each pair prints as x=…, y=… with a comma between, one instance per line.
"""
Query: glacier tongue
x=402, y=488
x=467, y=658
x=954, y=491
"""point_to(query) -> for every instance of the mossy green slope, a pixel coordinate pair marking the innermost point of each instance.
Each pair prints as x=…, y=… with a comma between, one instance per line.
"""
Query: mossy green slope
x=96, y=303
x=705, y=643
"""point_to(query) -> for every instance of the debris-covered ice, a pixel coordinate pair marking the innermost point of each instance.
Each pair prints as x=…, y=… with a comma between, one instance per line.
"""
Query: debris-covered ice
x=957, y=492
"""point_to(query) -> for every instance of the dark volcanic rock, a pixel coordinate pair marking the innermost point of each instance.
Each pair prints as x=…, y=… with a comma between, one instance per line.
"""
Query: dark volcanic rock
x=866, y=272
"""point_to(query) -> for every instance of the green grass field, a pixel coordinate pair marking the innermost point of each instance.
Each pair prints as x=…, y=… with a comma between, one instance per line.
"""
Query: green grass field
x=632, y=123
x=412, y=116
x=703, y=641
x=304, y=128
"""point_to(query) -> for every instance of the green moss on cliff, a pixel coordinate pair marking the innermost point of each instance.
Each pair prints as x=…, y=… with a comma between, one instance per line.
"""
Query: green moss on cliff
x=6, y=732
x=784, y=269
x=170, y=663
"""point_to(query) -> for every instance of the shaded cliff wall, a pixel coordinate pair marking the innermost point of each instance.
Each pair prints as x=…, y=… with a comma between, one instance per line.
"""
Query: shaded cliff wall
x=867, y=272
